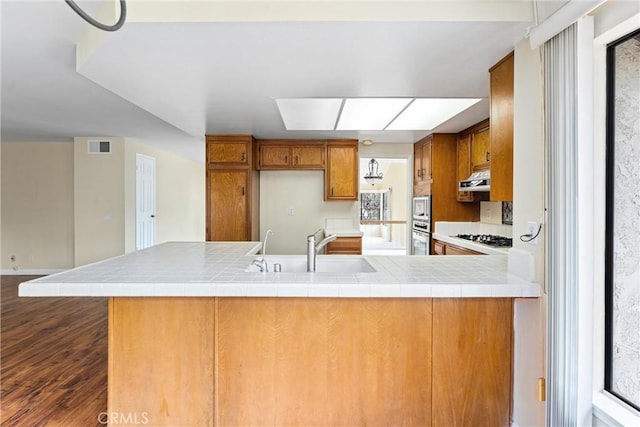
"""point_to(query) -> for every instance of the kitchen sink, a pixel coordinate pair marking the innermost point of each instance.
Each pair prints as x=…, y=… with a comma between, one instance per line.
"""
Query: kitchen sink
x=324, y=264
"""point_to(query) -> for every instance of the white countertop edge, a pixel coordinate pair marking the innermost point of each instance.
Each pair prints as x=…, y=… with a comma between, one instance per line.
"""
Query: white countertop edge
x=283, y=289
x=470, y=244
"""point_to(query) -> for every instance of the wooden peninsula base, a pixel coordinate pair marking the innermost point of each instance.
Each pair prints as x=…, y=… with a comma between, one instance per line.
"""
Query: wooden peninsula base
x=310, y=361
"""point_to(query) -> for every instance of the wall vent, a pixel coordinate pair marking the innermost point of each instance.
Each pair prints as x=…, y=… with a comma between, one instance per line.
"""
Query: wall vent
x=99, y=147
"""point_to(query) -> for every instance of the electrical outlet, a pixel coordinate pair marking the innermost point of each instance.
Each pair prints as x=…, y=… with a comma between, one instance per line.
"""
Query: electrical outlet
x=532, y=228
x=290, y=211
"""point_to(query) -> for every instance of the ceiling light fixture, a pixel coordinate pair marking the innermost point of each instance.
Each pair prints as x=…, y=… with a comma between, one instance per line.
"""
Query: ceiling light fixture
x=427, y=113
x=370, y=113
x=367, y=142
x=309, y=113
x=100, y=25
x=373, y=176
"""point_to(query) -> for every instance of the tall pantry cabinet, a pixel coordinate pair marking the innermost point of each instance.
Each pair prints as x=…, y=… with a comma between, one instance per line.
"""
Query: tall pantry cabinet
x=233, y=189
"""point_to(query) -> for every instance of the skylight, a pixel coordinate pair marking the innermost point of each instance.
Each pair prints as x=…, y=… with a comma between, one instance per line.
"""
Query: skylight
x=369, y=113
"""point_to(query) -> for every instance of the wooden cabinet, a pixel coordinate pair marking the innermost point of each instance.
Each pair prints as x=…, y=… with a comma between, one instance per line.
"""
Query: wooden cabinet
x=481, y=148
x=284, y=154
x=473, y=156
x=472, y=361
x=232, y=189
x=443, y=248
x=229, y=151
x=363, y=361
x=501, y=134
x=422, y=167
x=341, y=173
x=443, y=183
x=345, y=246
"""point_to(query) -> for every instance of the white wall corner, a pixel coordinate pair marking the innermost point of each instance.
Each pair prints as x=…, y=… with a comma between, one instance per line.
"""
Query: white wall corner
x=521, y=264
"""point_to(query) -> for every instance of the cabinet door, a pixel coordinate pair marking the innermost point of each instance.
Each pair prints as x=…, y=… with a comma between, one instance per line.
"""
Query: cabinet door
x=426, y=162
x=228, y=205
x=341, y=175
x=275, y=156
x=464, y=166
x=417, y=163
x=308, y=157
x=439, y=248
x=345, y=246
x=501, y=110
x=457, y=250
x=228, y=154
x=480, y=150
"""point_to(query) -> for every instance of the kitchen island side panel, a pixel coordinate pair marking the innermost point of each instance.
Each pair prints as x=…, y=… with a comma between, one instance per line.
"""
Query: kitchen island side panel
x=271, y=361
x=161, y=356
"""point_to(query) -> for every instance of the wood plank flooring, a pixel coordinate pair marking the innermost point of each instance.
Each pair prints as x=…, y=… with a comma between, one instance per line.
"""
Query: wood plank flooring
x=53, y=359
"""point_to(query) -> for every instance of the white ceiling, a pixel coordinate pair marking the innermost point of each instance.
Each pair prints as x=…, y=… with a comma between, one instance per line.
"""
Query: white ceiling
x=170, y=83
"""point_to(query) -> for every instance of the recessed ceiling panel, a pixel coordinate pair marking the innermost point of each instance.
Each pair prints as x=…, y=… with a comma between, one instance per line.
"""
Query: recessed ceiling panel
x=427, y=113
x=370, y=113
x=309, y=113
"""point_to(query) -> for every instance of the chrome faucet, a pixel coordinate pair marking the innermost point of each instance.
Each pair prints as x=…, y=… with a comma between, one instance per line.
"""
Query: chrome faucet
x=313, y=248
x=262, y=263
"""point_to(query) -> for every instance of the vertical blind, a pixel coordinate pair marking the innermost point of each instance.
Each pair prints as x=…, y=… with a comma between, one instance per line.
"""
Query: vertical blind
x=560, y=80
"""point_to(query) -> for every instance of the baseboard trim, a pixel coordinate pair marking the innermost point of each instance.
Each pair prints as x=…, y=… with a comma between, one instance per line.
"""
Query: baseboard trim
x=31, y=271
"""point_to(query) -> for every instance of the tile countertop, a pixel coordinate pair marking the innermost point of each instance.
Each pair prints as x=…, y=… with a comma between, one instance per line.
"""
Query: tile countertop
x=446, y=231
x=179, y=269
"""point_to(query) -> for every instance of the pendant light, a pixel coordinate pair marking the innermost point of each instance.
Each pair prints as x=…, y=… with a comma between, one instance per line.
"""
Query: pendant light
x=373, y=176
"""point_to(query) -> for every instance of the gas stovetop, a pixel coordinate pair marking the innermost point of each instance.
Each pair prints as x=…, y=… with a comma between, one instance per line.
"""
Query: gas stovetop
x=488, y=239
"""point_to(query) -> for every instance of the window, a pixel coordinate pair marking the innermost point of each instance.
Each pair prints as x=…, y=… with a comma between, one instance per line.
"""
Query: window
x=622, y=246
x=374, y=205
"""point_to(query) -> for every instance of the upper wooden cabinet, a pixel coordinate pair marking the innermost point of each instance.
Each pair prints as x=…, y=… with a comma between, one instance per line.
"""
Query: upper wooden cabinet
x=440, y=162
x=341, y=173
x=481, y=148
x=229, y=151
x=422, y=175
x=501, y=114
x=473, y=155
x=283, y=154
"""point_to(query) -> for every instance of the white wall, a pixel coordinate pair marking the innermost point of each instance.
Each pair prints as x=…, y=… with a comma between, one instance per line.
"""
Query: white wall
x=63, y=207
x=528, y=205
x=98, y=202
x=304, y=192
x=37, y=206
x=180, y=196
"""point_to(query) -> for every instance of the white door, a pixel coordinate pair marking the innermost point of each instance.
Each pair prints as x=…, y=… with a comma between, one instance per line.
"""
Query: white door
x=145, y=201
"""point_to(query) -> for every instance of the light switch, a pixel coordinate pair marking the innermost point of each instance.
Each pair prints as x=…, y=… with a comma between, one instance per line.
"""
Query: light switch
x=290, y=211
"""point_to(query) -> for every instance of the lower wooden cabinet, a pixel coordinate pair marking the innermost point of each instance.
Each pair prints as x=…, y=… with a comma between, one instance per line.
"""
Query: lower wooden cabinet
x=345, y=246
x=312, y=361
x=442, y=248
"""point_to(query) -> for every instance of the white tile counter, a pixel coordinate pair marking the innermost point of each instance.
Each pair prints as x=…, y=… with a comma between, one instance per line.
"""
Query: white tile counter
x=178, y=269
x=474, y=246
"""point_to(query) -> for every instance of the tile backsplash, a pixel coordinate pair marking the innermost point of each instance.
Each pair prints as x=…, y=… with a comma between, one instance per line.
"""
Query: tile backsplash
x=491, y=212
x=496, y=212
x=507, y=213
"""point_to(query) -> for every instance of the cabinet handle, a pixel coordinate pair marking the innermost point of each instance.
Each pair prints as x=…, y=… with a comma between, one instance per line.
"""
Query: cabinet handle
x=296, y=160
x=286, y=159
x=488, y=156
x=419, y=172
x=243, y=190
x=422, y=172
x=242, y=157
x=331, y=191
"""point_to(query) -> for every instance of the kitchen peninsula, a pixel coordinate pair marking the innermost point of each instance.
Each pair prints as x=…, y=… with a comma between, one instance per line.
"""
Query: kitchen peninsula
x=194, y=339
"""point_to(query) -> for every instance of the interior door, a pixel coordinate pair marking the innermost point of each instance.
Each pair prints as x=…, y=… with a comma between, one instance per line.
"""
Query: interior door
x=145, y=201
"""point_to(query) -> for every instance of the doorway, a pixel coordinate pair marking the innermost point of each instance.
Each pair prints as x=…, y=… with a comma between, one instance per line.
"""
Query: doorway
x=145, y=201
x=384, y=207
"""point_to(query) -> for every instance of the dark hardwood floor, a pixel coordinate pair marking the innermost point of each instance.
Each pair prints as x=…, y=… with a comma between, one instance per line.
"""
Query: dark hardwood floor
x=53, y=359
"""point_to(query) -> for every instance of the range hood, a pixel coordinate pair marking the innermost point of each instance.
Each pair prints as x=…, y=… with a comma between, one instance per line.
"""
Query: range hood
x=478, y=181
